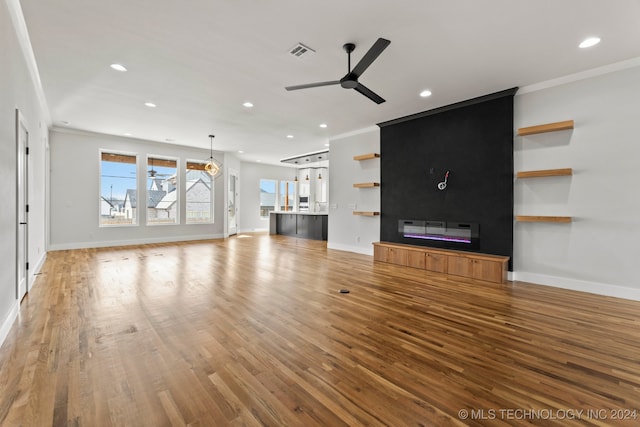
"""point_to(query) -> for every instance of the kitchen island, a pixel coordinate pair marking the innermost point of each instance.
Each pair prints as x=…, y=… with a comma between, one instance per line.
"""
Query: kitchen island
x=308, y=225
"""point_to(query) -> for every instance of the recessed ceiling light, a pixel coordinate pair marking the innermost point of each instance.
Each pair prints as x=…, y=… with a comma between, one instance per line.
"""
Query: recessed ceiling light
x=150, y=104
x=289, y=136
x=126, y=134
x=425, y=93
x=323, y=125
x=240, y=151
x=259, y=161
x=591, y=41
x=119, y=67
x=248, y=104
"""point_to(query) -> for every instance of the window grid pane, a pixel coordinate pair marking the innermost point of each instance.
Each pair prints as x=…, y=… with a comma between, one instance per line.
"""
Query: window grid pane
x=267, y=197
x=287, y=194
x=118, y=189
x=162, y=191
x=199, y=194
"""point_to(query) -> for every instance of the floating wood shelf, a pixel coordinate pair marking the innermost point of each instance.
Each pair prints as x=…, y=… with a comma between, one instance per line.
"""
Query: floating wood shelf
x=366, y=156
x=539, y=218
x=366, y=185
x=549, y=127
x=366, y=213
x=546, y=172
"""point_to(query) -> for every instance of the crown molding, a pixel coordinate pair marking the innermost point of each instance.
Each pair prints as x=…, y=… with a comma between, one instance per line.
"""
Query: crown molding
x=20, y=27
x=507, y=92
x=354, y=133
x=594, y=72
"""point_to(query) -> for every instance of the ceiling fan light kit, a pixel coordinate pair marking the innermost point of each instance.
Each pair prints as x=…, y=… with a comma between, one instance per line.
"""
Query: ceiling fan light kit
x=350, y=80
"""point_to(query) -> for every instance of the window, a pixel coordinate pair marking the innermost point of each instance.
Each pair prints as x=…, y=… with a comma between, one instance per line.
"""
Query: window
x=267, y=197
x=287, y=195
x=199, y=194
x=118, y=189
x=321, y=190
x=162, y=191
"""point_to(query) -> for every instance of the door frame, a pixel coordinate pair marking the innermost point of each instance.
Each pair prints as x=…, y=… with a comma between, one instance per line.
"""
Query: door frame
x=231, y=230
x=22, y=206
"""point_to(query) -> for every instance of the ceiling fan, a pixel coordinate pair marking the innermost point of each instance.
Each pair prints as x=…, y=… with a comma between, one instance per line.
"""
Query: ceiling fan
x=350, y=80
x=152, y=173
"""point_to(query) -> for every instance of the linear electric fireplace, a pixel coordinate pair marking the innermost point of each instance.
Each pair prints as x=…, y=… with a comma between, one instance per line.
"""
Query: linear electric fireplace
x=441, y=234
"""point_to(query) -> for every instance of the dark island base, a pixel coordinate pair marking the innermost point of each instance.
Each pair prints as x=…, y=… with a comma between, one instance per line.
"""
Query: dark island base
x=305, y=225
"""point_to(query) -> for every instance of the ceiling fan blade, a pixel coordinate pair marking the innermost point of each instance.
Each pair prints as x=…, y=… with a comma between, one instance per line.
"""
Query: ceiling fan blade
x=334, y=82
x=375, y=51
x=369, y=93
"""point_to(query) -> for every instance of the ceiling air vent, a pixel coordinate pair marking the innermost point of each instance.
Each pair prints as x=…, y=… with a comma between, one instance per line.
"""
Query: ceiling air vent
x=300, y=50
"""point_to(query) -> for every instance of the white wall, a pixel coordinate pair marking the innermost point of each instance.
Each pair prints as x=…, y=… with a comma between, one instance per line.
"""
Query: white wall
x=347, y=231
x=250, y=176
x=599, y=250
x=18, y=90
x=75, y=181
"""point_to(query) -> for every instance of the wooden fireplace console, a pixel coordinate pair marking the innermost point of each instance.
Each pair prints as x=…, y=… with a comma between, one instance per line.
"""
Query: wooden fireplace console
x=491, y=268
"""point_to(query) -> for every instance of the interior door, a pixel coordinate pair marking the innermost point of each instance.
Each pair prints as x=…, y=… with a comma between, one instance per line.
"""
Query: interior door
x=232, y=200
x=22, y=140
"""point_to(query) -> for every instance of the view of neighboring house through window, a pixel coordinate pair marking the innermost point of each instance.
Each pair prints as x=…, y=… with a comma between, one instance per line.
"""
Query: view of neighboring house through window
x=118, y=187
x=199, y=194
x=267, y=197
x=287, y=195
x=163, y=204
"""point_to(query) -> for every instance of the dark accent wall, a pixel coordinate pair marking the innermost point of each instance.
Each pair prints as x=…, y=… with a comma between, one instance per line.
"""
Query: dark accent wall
x=471, y=139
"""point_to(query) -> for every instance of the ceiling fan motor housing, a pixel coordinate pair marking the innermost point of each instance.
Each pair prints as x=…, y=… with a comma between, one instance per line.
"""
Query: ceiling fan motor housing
x=349, y=81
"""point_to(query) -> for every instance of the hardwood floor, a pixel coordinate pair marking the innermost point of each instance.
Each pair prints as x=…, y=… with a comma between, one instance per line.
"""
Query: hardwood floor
x=251, y=331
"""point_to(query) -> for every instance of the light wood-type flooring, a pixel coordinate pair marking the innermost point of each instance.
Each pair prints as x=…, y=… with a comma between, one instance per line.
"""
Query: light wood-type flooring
x=252, y=331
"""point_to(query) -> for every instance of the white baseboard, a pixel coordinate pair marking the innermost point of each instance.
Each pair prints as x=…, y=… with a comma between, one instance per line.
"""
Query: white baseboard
x=541, y=279
x=252, y=230
x=8, y=321
x=348, y=248
x=579, y=285
x=15, y=308
x=36, y=269
x=144, y=241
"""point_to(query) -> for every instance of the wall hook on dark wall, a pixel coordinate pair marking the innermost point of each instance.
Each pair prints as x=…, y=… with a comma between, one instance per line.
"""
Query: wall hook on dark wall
x=442, y=185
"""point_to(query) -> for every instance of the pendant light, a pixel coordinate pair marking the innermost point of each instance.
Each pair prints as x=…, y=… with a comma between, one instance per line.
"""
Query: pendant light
x=212, y=167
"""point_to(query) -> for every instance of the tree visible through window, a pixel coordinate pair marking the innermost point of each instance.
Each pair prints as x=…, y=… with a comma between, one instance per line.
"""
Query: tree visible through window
x=118, y=189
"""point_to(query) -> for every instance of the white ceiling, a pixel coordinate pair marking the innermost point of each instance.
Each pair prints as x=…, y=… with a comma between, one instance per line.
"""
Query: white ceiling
x=199, y=60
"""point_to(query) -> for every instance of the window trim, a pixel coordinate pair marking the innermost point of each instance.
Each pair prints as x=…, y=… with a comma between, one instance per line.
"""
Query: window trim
x=275, y=202
x=115, y=153
x=167, y=160
x=190, y=164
